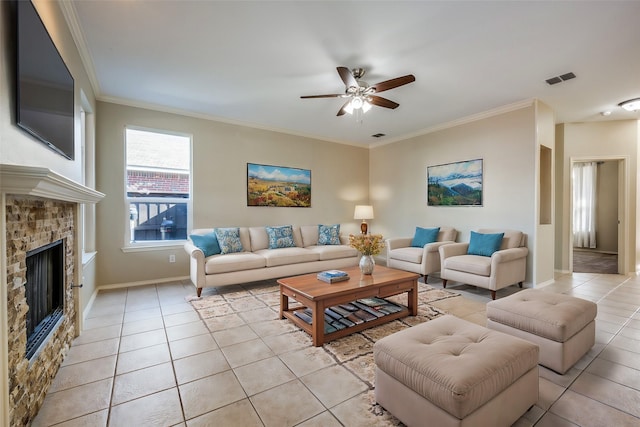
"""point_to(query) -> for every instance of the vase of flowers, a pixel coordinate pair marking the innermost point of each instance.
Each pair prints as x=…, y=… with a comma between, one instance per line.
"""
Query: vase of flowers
x=368, y=245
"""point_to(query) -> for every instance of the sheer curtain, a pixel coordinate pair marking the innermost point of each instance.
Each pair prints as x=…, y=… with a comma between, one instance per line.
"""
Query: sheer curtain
x=584, y=204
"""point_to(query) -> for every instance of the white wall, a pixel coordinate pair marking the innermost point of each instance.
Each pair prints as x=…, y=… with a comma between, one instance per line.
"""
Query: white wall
x=507, y=144
x=607, y=207
x=543, y=180
x=339, y=181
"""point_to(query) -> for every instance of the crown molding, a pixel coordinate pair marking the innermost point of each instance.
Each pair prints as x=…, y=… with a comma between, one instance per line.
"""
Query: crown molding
x=462, y=121
x=71, y=16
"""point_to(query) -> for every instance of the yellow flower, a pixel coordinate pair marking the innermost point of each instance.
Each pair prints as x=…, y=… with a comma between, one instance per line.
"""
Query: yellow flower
x=367, y=244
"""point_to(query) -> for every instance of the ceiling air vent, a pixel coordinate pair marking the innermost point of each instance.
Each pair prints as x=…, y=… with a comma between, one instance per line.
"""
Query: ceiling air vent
x=567, y=76
x=561, y=78
x=378, y=135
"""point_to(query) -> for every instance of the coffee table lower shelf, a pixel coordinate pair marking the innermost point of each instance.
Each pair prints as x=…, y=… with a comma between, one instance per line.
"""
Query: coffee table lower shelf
x=308, y=328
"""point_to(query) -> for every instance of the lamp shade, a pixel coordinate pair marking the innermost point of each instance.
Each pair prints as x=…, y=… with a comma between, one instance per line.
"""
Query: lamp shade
x=363, y=212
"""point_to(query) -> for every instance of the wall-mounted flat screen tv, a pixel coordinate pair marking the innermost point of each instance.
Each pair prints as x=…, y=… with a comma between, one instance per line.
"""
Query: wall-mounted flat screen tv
x=45, y=102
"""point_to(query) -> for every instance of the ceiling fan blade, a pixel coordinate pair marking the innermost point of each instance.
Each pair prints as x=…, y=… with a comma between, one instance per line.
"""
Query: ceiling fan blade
x=390, y=84
x=347, y=77
x=333, y=95
x=342, y=110
x=382, y=102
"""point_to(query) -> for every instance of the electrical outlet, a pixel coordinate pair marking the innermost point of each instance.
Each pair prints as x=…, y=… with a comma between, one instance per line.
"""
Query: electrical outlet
x=172, y=258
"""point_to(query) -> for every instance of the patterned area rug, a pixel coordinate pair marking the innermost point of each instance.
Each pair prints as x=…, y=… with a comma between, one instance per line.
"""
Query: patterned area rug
x=230, y=306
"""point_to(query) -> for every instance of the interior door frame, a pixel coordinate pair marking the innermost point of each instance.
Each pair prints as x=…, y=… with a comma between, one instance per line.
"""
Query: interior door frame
x=623, y=208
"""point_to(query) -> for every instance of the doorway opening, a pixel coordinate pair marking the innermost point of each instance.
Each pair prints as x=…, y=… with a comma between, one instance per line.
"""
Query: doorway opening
x=598, y=240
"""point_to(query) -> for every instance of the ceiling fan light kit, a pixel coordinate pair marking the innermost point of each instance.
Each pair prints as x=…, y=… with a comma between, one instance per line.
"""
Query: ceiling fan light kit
x=631, y=104
x=361, y=95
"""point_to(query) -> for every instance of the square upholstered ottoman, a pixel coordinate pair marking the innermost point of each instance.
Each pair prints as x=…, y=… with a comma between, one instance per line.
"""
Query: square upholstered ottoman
x=450, y=372
x=563, y=326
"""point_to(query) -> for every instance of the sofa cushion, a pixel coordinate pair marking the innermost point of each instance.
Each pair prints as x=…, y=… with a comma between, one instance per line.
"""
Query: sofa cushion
x=423, y=236
x=484, y=244
x=474, y=264
x=229, y=240
x=309, y=235
x=326, y=252
x=233, y=262
x=280, y=237
x=408, y=254
x=329, y=234
x=207, y=243
x=511, y=238
x=297, y=236
x=285, y=256
x=259, y=238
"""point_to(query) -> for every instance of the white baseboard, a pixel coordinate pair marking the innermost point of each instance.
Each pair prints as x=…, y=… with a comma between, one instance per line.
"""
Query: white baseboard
x=140, y=283
x=87, y=308
x=543, y=284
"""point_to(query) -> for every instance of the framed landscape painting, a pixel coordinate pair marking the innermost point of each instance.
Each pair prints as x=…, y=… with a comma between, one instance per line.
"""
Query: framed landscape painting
x=278, y=186
x=455, y=184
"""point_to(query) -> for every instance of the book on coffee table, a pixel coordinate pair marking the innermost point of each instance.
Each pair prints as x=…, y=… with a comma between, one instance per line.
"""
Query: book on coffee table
x=304, y=316
x=332, y=276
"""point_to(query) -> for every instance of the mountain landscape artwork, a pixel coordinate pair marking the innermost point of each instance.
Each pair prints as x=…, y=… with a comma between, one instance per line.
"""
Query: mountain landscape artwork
x=455, y=184
x=278, y=186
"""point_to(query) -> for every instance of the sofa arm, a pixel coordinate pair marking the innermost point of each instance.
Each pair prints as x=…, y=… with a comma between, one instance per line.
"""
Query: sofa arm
x=398, y=242
x=196, y=264
x=507, y=255
x=453, y=249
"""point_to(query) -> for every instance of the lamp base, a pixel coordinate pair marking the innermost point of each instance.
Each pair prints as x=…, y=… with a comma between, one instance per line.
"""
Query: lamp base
x=363, y=227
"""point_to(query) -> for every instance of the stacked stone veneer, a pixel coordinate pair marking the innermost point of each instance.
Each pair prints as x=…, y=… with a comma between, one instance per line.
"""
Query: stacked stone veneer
x=33, y=222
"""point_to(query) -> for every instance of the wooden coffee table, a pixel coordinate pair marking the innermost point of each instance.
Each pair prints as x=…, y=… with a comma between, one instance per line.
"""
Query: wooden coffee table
x=318, y=295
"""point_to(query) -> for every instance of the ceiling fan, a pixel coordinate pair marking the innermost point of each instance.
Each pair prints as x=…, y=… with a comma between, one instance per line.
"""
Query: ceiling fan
x=362, y=95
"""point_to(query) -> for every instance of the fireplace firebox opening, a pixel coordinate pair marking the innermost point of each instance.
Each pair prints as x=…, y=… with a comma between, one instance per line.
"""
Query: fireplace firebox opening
x=44, y=293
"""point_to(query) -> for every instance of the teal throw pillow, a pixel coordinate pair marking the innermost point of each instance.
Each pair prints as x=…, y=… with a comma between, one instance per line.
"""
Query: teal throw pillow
x=424, y=236
x=329, y=234
x=484, y=244
x=280, y=237
x=207, y=243
x=229, y=240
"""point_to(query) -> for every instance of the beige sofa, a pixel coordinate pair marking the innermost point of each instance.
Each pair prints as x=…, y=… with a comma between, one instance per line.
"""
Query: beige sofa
x=505, y=267
x=424, y=260
x=258, y=262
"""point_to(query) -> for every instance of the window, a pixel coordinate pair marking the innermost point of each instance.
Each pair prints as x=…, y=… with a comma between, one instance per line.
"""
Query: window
x=158, y=185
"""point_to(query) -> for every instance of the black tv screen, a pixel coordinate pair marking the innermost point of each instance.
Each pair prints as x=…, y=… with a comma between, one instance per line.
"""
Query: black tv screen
x=45, y=102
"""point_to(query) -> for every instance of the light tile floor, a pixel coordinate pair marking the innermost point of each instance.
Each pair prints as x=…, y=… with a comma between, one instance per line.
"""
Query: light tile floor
x=146, y=359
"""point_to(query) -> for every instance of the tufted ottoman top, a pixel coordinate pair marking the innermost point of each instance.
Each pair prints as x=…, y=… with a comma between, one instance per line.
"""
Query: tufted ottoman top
x=553, y=316
x=455, y=364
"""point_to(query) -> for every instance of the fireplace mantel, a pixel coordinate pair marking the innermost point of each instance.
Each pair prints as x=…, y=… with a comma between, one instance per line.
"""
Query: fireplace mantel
x=43, y=182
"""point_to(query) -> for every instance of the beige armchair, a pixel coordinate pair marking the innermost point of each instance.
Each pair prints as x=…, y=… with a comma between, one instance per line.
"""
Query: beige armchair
x=422, y=260
x=505, y=267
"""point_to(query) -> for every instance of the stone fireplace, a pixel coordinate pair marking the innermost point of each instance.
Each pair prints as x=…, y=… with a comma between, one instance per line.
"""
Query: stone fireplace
x=40, y=208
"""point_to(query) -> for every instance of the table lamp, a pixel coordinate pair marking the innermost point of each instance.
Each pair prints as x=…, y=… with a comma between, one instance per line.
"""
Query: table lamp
x=363, y=212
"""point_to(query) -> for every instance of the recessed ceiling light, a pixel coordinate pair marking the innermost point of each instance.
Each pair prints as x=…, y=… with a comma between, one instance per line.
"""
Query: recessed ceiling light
x=631, y=104
x=605, y=113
